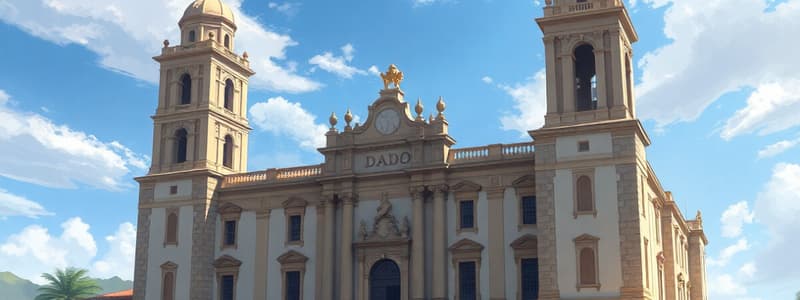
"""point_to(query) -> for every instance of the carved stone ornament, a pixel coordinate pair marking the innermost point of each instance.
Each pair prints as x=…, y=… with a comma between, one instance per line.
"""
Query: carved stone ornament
x=386, y=226
x=392, y=76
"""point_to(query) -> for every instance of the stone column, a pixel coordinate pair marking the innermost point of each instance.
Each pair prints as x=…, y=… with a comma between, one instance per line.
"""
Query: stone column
x=497, y=244
x=327, y=261
x=568, y=65
x=439, y=243
x=346, y=275
x=550, y=62
x=600, y=70
x=262, y=247
x=418, y=245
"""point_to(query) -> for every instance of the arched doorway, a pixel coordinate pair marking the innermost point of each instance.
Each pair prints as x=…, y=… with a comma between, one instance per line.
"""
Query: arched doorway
x=384, y=281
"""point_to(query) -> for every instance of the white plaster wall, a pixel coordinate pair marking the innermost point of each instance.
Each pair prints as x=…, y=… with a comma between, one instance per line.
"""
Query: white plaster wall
x=365, y=211
x=605, y=226
x=245, y=251
x=481, y=237
x=277, y=246
x=184, y=190
x=600, y=145
x=158, y=254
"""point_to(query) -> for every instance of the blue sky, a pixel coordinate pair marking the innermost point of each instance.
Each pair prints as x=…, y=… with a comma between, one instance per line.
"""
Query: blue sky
x=717, y=90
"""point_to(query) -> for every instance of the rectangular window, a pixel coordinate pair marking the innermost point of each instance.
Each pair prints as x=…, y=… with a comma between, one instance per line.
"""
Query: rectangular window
x=226, y=288
x=295, y=228
x=529, y=210
x=530, y=278
x=293, y=285
x=230, y=233
x=467, y=214
x=583, y=146
x=467, y=289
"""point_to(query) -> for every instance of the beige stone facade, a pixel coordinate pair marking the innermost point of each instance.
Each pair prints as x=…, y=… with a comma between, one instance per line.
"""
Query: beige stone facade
x=395, y=211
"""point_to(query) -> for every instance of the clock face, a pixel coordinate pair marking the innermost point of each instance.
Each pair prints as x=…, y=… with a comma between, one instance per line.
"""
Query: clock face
x=388, y=121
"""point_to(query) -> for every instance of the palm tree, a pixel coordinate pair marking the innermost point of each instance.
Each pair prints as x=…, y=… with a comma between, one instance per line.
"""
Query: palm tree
x=68, y=284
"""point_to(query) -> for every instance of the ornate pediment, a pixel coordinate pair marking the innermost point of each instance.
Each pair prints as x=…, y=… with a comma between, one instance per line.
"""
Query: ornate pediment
x=227, y=261
x=466, y=186
x=292, y=257
x=229, y=208
x=169, y=266
x=385, y=226
x=586, y=238
x=466, y=245
x=527, y=241
x=524, y=181
x=295, y=202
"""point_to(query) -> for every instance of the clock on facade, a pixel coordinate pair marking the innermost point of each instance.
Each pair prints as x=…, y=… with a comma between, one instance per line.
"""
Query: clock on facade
x=388, y=121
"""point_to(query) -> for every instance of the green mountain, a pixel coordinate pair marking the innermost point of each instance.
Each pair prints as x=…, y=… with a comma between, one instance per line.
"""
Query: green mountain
x=15, y=288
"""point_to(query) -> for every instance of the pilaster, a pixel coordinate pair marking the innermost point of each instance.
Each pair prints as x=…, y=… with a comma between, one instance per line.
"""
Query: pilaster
x=262, y=252
x=346, y=275
x=439, y=242
x=418, y=244
x=327, y=262
x=497, y=254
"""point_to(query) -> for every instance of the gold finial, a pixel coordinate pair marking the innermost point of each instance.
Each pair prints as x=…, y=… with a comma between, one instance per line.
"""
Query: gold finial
x=392, y=75
x=440, y=106
x=166, y=43
x=333, y=120
x=419, y=108
x=430, y=118
x=211, y=35
x=348, y=117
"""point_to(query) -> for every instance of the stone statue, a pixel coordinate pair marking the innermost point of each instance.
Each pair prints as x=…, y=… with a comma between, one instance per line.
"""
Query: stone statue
x=362, y=232
x=384, y=208
x=404, y=228
x=393, y=75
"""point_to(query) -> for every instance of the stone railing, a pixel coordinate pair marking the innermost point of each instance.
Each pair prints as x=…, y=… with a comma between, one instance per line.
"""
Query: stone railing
x=205, y=45
x=562, y=7
x=273, y=176
x=490, y=153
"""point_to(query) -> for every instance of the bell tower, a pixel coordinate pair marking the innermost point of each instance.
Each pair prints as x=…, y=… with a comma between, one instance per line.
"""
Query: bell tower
x=201, y=118
x=588, y=60
x=200, y=132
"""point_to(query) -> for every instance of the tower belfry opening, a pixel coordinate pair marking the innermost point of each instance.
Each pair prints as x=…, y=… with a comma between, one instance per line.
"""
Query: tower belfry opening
x=585, y=78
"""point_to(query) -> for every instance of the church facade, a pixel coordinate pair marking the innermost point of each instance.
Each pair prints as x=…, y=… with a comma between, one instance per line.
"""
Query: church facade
x=395, y=211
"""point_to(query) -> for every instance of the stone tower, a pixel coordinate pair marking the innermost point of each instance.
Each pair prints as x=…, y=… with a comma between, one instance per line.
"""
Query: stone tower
x=200, y=134
x=595, y=203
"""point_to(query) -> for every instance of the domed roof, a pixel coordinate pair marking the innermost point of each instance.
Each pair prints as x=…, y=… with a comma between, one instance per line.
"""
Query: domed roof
x=213, y=8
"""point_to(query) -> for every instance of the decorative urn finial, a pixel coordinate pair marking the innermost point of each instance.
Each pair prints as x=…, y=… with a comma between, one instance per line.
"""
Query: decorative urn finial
x=348, y=117
x=333, y=120
x=393, y=76
x=548, y=2
x=166, y=43
x=419, y=109
x=440, y=106
x=245, y=55
x=699, y=216
x=430, y=118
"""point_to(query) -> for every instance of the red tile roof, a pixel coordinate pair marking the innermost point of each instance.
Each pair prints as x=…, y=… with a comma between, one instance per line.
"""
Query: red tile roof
x=121, y=295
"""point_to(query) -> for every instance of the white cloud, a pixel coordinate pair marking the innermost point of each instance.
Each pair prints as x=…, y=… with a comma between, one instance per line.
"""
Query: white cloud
x=725, y=285
x=778, y=148
x=12, y=205
x=34, y=251
x=530, y=103
x=487, y=79
x=126, y=34
x=282, y=117
x=777, y=207
x=748, y=270
x=36, y=150
x=773, y=107
x=708, y=58
x=734, y=217
x=374, y=70
x=119, y=260
x=423, y=2
x=338, y=65
x=287, y=8
x=729, y=252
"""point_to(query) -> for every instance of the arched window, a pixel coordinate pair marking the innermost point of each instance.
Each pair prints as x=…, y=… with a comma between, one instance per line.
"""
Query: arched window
x=585, y=80
x=171, y=236
x=588, y=270
x=186, y=89
x=180, y=145
x=192, y=36
x=229, y=95
x=583, y=189
x=168, y=288
x=227, y=41
x=227, y=152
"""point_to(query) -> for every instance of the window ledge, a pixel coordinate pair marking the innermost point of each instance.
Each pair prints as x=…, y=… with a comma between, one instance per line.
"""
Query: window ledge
x=588, y=286
x=527, y=226
x=587, y=212
x=299, y=243
x=465, y=230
